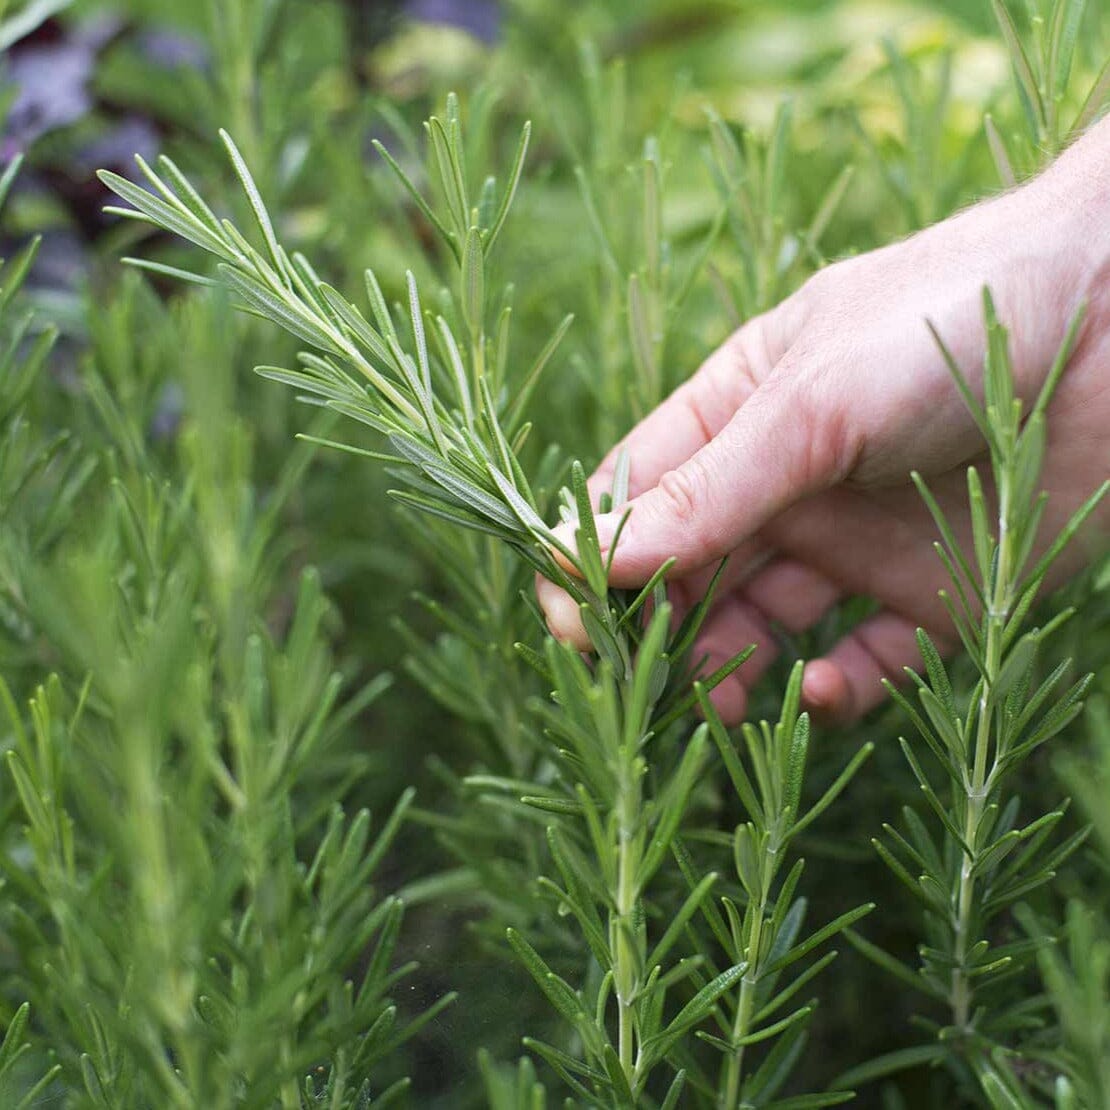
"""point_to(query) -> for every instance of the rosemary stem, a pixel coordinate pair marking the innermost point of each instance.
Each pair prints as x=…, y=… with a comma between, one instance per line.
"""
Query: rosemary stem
x=995, y=620
x=624, y=953
x=744, y=1009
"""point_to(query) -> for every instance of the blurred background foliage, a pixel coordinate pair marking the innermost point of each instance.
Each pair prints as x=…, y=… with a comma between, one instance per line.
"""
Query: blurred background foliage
x=194, y=577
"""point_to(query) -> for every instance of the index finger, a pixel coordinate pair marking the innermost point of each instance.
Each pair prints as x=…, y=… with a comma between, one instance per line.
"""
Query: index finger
x=699, y=408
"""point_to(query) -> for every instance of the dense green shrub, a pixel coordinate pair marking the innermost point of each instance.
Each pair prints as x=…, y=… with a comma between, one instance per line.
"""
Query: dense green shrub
x=244, y=866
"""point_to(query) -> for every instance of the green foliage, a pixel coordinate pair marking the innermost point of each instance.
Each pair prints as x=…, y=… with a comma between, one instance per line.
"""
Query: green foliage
x=763, y=931
x=985, y=855
x=1043, y=63
x=467, y=472
x=749, y=175
x=197, y=903
x=16, y=1088
x=190, y=790
x=921, y=170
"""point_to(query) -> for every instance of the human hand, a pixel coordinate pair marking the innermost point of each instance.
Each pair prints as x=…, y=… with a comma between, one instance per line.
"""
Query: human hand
x=790, y=449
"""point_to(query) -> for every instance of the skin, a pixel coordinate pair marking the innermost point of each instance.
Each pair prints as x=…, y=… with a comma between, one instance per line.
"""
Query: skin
x=790, y=449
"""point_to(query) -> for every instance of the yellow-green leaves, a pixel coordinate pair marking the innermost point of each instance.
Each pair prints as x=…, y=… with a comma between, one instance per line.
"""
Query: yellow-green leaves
x=750, y=174
x=1043, y=52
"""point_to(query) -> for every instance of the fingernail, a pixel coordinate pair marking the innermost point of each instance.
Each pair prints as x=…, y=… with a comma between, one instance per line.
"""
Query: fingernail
x=606, y=526
x=564, y=533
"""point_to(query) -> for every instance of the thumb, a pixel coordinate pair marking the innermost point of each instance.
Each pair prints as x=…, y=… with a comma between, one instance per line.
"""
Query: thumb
x=783, y=444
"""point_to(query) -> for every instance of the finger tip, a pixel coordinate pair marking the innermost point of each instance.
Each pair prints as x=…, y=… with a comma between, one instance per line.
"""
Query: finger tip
x=731, y=702
x=560, y=610
x=564, y=540
x=825, y=692
x=564, y=623
x=546, y=590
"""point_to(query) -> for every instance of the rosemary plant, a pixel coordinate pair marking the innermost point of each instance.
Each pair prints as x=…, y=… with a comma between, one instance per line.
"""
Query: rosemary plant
x=624, y=213
x=639, y=285
x=1076, y=970
x=762, y=931
x=22, y=1081
x=186, y=892
x=15, y=1087
x=984, y=856
x=1076, y=976
x=33, y=470
x=1043, y=61
x=461, y=464
x=773, y=257
x=197, y=906
x=515, y=1090
x=920, y=168
x=619, y=781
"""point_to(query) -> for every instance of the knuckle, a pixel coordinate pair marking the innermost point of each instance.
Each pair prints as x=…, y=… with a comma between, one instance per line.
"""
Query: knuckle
x=831, y=445
x=706, y=418
x=751, y=354
x=682, y=497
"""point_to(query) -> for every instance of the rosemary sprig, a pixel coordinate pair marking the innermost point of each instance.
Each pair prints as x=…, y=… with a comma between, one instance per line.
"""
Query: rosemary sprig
x=985, y=856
